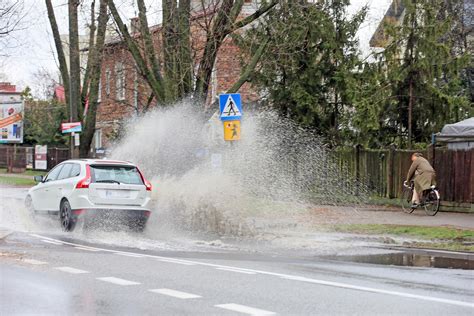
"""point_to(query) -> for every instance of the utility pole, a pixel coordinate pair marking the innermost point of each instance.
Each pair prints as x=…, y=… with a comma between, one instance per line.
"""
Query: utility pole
x=410, y=113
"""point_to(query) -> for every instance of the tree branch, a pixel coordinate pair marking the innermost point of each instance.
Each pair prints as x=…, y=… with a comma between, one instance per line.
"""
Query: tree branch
x=63, y=69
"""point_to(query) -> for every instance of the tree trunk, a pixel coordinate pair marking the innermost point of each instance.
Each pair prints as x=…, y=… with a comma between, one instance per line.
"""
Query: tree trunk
x=86, y=79
x=63, y=69
x=185, y=61
x=95, y=58
x=74, y=61
x=170, y=47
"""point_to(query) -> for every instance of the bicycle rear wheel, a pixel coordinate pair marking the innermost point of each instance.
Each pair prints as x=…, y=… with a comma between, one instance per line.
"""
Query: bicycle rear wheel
x=405, y=200
x=432, y=203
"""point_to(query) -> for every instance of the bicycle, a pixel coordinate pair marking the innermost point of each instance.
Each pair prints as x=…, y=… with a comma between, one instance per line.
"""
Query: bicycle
x=430, y=199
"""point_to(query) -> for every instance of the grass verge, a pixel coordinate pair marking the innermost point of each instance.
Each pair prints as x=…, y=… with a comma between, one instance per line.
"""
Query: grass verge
x=27, y=172
x=10, y=180
x=447, y=238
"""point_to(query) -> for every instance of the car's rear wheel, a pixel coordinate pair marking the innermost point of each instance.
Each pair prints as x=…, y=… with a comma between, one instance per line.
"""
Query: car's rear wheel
x=29, y=206
x=66, y=219
x=138, y=226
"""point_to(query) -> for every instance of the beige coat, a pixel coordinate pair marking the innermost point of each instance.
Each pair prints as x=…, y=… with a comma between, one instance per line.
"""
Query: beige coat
x=424, y=174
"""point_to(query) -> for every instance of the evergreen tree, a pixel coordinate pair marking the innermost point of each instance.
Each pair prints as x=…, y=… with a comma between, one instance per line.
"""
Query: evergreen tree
x=309, y=66
x=418, y=78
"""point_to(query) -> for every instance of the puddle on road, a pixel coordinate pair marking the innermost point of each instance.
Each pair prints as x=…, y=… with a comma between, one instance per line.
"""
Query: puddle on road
x=411, y=260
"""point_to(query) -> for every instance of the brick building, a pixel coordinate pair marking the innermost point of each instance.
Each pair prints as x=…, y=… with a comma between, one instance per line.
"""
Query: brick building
x=123, y=93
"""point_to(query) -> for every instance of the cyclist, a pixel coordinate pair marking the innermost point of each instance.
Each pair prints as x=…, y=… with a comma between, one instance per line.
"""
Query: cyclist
x=423, y=174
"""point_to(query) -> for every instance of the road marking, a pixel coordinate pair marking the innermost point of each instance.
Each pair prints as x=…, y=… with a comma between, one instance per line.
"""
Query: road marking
x=33, y=261
x=71, y=270
x=52, y=242
x=173, y=293
x=117, y=281
x=129, y=254
x=290, y=277
x=87, y=249
x=245, y=309
x=237, y=270
x=186, y=263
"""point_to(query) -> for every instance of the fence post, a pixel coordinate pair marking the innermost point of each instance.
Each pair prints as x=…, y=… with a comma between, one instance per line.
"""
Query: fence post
x=390, y=167
x=357, y=166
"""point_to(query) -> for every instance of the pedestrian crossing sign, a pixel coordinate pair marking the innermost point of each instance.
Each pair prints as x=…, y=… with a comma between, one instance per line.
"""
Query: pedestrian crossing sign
x=230, y=106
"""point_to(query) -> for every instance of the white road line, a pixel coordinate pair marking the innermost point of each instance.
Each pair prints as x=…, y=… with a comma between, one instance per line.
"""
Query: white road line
x=173, y=293
x=33, y=261
x=237, y=270
x=245, y=309
x=186, y=263
x=291, y=277
x=71, y=270
x=87, y=249
x=126, y=254
x=52, y=242
x=117, y=281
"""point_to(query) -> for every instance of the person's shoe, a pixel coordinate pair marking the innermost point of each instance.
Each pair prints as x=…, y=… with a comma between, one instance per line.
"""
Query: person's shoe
x=414, y=205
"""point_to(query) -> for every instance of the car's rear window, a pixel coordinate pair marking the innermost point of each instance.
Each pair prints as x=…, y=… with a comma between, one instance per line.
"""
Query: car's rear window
x=115, y=174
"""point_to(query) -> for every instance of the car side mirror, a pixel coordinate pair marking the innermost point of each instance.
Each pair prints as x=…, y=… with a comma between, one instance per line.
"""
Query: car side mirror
x=38, y=178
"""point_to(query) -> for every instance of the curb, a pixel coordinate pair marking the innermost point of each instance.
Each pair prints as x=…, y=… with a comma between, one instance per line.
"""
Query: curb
x=434, y=252
x=4, y=233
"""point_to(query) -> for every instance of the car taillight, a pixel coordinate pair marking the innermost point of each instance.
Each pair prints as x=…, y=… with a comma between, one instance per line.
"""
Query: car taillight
x=84, y=183
x=148, y=185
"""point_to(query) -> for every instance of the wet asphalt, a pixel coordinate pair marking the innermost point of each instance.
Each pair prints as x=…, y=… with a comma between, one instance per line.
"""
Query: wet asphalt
x=51, y=274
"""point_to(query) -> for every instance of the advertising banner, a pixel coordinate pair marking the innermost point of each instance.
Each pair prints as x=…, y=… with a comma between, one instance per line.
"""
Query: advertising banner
x=11, y=122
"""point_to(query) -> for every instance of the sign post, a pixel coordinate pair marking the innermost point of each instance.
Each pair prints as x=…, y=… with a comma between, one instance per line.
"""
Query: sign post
x=230, y=106
x=72, y=128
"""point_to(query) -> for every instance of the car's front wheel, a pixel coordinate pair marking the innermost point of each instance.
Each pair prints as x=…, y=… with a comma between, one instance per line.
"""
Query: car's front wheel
x=67, y=221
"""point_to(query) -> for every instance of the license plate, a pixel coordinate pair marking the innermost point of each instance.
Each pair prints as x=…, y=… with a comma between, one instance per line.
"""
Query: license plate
x=117, y=194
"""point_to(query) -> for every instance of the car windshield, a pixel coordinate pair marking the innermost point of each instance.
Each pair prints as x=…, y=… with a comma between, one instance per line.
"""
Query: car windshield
x=115, y=174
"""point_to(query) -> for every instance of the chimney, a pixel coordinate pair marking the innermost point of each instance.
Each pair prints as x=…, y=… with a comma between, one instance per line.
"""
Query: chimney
x=7, y=87
x=134, y=25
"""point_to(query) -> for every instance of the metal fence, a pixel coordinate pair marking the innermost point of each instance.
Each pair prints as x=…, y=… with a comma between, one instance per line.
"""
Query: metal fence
x=17, y=158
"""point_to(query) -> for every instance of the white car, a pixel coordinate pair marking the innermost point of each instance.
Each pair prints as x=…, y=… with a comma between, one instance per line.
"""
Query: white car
x=89, y=188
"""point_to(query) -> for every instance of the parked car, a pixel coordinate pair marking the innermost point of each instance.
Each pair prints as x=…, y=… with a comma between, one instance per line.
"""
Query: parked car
x=92, y=189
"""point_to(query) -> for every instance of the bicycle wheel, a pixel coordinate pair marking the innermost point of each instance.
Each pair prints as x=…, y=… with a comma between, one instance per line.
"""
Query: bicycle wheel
x=405, y=200
x=432, y=202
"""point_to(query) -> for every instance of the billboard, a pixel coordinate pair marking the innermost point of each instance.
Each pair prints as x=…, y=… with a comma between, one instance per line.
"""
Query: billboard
x=11, y=122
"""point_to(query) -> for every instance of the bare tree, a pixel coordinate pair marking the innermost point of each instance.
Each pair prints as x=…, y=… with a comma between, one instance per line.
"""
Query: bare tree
x=72, y=77
x=11, y=15
x=174, y=81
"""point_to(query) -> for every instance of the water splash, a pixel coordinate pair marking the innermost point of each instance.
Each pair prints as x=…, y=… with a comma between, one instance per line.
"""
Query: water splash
x=203, y=183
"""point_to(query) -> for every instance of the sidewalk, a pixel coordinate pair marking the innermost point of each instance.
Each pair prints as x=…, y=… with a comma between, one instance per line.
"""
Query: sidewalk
x=349, y=215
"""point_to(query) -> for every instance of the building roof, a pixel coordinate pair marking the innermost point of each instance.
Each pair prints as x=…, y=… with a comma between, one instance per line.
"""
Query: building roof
x=393, y=15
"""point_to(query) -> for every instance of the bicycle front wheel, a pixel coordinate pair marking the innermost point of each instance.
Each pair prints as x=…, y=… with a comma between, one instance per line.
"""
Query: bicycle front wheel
x=405, y=200
x=432, y=203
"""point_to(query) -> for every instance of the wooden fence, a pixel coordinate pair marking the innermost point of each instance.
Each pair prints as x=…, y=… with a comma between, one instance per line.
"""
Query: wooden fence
x=17, y=159
x=384, y=170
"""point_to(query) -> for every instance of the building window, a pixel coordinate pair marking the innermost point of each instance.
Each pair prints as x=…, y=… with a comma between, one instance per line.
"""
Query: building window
x=98, y=138
x=107, y=82
x=214, y=83
x=135, y=91
x=119, y=81
x=99, y=92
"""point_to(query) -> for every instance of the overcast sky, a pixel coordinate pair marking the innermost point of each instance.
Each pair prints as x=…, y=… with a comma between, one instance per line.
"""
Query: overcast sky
x=32, y=46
